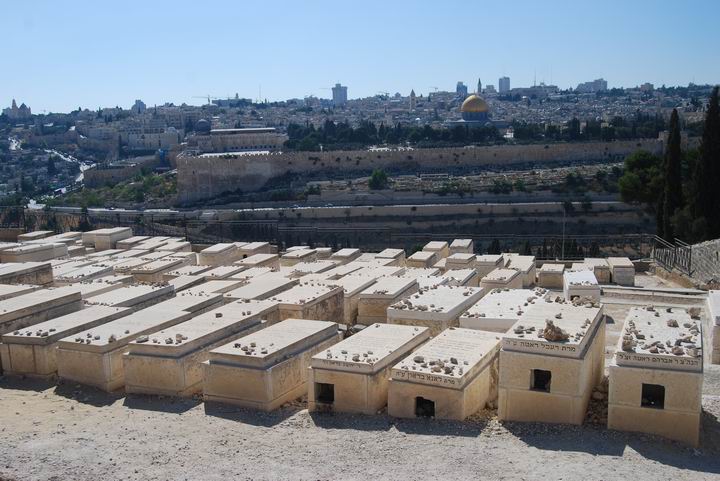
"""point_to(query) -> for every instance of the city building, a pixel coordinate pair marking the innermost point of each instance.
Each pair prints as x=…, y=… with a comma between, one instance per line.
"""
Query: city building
x=208, y=140
x=504, y=85
x=598, y=85
x=18, y=113
x=461, y=90
x=339, y=93
x=138, y=107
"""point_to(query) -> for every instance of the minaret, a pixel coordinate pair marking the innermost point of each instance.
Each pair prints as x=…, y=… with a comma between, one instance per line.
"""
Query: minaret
x=479, y=90
x=14, y=105
x=413, y=100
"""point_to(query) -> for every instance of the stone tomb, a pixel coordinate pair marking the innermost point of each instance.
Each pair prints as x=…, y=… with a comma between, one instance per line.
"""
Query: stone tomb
x=261, y=287
x=84, y=273
x=422, y=259
x=260, y=260
x=35, y=235
x=35, y=273
x=169, y=361
x=297, y=256
x=13, y=290
x=462, y=246
x=268, y=368
x=656, y=376
x=131, y=242
x=31, y=351
x=435, y=308
x=253, y=248
x=462, y=277
x=440, y=248
x=502, y=279
x=304, y=268
x=550, y=276
x=340, y=271
x=460, y=261
x=580, y=284
x=103, y=239
x=500, y=309
x=223, y=272
x=33, y=253
x=152, y=243
x=95, y=356
x=186, y=281
x=311, y=300
x=89, y=289
x=220, y=286
x=452, y=376
x=343, y=256
x=38, y=306
x=352, y=376
x=549, y=363
x=219, y=254
x=526, y=266
x=487, y=263
x=622, y=271
x=153, y=271
x=395, y=257
x=352, y=287
x=600, y=268
x=135, y=297
x=186, y=271
x=374, y=301
x=323, y=252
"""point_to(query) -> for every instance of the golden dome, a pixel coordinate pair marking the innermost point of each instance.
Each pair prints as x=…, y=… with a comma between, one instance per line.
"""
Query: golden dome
x=474, y=103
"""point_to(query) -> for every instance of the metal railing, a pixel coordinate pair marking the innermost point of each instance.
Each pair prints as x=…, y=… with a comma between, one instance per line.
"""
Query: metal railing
x=671, y=256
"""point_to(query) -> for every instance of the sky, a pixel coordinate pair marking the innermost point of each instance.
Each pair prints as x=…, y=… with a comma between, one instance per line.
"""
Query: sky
x=61, y=55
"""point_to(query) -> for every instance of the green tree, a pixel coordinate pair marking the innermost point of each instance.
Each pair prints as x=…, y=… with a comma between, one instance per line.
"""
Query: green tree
x=706, y=204
x=378, y=180
x=672, y=198
x=51, y=168
x=641, y=181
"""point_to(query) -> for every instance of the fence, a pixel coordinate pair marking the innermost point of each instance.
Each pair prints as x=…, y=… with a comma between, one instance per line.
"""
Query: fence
x=671, y=256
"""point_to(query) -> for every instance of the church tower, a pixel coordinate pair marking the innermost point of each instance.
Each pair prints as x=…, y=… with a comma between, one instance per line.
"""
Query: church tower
x=479, y=90
x=413, y=100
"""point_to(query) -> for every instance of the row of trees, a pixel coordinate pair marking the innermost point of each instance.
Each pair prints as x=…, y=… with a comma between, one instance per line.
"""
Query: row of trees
x=332, y=136
x=641, y=126
x=680, y=186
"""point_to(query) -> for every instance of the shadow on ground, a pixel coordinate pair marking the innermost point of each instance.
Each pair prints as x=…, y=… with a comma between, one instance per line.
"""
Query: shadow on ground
x=599, y=441
x=87, y=394
x=249, y=416
x=358, y=422
x=22, y=383
x=165, y=404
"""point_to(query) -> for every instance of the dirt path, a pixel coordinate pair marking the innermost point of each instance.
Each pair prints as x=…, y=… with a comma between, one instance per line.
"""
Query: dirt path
x=73, y=433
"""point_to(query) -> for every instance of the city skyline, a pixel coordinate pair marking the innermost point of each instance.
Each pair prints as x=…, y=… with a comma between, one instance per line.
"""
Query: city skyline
x=94, y=57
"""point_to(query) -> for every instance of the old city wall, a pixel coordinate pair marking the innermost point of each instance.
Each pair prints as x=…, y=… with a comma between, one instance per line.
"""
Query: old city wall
x=206, y=177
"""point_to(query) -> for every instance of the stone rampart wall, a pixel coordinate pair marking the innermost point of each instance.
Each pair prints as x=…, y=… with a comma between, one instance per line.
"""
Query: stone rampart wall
x=207, y=177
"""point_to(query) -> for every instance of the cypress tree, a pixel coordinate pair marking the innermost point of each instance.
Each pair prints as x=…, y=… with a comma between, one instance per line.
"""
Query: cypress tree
x=706, y=204
x=672, y=199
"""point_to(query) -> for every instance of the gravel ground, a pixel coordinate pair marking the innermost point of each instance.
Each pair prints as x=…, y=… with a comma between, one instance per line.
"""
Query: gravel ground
x=69, y=432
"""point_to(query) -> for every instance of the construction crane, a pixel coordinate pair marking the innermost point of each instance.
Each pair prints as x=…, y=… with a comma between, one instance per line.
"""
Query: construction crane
x=435, y=89
x=208, y=97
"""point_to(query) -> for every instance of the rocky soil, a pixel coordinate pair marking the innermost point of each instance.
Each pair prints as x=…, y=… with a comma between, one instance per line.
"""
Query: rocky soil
x=69, y=432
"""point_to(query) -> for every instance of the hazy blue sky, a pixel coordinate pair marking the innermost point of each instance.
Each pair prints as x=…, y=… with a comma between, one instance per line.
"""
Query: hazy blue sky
x=58, y=55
